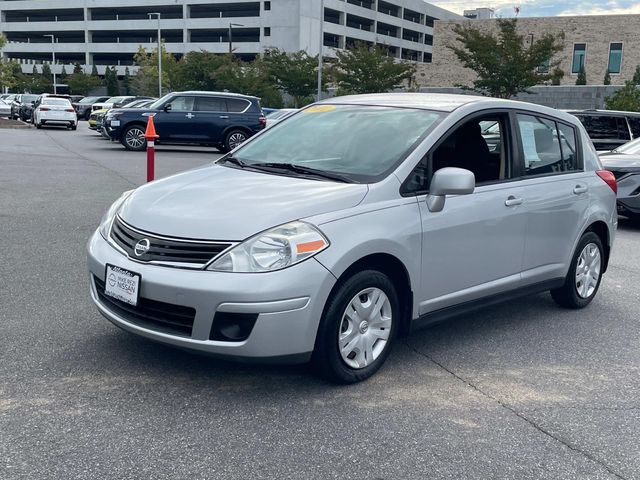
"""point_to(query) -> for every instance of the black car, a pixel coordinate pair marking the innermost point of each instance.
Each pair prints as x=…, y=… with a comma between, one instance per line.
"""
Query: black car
x=83, y=107
x=609, y=129
x=22, y=106
x=224, y=120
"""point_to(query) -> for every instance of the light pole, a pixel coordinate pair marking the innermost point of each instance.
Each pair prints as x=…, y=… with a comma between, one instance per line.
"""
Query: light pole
x=159, y=54
x=231, y=25
x=321, y=47
x=53, y=52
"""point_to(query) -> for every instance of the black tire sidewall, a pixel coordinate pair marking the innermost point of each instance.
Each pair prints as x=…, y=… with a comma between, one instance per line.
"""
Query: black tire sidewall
x=326, y=357
x=227, y=147
x=124, y=140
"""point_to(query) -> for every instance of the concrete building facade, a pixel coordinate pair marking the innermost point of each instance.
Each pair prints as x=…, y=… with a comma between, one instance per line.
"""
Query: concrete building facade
x=597, y=43
x=109, y=32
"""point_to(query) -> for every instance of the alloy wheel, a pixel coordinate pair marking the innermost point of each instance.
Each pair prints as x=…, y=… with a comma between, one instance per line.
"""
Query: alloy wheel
x=236, y=139
x=135, y=137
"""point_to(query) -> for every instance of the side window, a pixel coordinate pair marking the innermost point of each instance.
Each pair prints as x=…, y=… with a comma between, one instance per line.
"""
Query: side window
x=623, y=129
x=237, y=105
x=480, y=145
x=634, y=123
x=547, y=147
x=601, y=128
x=182, y=104
x=211, y=104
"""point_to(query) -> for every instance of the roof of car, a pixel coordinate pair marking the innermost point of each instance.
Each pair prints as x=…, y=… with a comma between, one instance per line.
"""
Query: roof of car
x=203, y=92
x=601, y=112
x=438, y=101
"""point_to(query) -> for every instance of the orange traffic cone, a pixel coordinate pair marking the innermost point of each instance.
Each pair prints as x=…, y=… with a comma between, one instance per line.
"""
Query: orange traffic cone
x=151, y=134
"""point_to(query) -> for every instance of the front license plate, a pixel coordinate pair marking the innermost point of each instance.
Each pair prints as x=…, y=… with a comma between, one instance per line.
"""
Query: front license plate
x=115, y=123
x=122, y=284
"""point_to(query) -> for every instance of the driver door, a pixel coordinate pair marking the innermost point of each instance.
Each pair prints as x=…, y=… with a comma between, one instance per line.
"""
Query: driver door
x=177, y=124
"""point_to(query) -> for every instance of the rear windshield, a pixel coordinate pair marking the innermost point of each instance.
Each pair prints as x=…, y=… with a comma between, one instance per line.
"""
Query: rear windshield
x=30, y=98
x=362, y=143
x=55, y=101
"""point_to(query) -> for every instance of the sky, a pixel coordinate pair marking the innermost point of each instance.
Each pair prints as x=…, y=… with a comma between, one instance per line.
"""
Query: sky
x=544, y=8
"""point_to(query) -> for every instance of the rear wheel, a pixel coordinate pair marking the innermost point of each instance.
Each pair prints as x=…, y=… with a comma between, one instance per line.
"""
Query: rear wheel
x=358, y=327
x=133, y=138
x=234, y=138
x=585, y=274
x=38, y=125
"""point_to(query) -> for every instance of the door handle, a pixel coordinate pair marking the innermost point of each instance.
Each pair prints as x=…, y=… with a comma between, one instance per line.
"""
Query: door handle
x=512, y=201
x=189, y=115
x=578, y=189
x=224, y=116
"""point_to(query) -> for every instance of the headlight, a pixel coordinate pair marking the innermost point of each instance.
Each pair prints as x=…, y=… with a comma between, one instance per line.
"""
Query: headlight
x=274, y=249
x=107, y=220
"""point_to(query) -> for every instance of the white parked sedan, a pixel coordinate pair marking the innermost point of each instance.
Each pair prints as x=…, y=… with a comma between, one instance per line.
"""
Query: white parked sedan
x=5, y=109
x=55, y=111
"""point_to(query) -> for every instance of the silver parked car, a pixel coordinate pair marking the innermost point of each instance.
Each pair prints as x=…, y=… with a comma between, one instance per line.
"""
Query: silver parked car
x=624, y=163
x=357, y=220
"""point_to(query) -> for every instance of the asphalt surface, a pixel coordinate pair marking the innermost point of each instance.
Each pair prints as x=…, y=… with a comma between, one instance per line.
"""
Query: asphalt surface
x=523, y=390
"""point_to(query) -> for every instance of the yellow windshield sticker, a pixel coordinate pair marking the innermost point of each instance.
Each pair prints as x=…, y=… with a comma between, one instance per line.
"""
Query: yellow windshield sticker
x=320, y=108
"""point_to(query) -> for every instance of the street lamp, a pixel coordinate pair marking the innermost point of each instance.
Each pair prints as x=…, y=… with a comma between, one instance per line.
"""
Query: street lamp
x=159, y=54
x=231, y=25
x=321, y=47
x=53, y=51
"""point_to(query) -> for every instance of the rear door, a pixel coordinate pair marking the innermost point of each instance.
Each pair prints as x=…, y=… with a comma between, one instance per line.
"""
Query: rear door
x=212, y=117
x=556, y=194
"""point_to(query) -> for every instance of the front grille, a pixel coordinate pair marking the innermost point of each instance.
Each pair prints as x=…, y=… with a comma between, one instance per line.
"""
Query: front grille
x=182, y=252
x=151, y=314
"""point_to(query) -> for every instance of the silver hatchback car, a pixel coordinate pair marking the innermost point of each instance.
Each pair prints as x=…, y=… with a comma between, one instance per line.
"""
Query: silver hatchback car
x=356, y=220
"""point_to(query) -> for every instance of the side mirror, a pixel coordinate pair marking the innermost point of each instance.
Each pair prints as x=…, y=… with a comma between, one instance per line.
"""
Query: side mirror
x=167, y=108
x=449, y=181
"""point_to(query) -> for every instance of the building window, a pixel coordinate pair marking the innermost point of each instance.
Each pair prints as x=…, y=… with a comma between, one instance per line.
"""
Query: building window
x=579, y=56
x=429, y=21
x=428, y=39
x=267, y=5
x=615, y=57
x=267, y=31
x=428, y=57
x=544, y=66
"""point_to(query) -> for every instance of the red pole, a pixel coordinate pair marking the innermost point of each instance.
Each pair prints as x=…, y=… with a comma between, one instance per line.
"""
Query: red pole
x=151, y=136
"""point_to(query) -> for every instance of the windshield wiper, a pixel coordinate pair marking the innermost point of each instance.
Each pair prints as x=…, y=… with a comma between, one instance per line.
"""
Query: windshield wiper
x=234, y=160
x=302, y=170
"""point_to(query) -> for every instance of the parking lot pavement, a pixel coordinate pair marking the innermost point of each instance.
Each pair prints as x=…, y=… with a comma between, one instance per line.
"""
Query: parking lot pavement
x=523, y=390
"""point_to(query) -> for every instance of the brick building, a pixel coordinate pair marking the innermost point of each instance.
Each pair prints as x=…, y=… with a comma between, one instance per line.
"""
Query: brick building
x=595, y=42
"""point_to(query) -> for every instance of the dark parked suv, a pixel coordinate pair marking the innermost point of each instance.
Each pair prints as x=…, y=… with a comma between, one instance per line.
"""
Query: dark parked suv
x=224, y=120
x=609, y=129
x=22, y=105
x=83, y=107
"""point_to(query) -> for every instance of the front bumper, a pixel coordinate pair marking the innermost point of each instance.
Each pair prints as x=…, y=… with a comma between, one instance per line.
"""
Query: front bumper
x=289, y=304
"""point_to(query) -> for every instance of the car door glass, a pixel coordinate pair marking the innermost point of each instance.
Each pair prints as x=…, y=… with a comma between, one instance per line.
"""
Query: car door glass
x=600, y=127
x=634, y=123
x=182, y=104
x=623, y=129
x=541, y=145
x=568, y=145
x=211, y=104
x=237, y=105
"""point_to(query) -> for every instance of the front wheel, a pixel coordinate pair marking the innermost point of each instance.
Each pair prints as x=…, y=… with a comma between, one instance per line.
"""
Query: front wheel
x=133, y=138
x=358, y=327
x=585, y=274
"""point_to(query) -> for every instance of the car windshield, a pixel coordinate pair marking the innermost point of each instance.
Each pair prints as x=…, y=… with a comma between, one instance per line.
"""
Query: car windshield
x=630, y=148
x=158, y=103
x=115, y=99
x=362, y=143
x=89, y=100
x=55, y=101
x=29, y=98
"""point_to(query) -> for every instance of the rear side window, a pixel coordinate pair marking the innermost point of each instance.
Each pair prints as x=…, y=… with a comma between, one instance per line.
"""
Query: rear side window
x=237, y=105
x=634, y=123
x=212, y=104
x=605, y=127
x=548, y=147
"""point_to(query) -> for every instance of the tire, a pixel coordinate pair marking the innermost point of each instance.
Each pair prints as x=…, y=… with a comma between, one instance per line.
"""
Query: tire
x=577, y=293
x=129, y=136
x=234, y=138
x=338, y=327
x=38, y=125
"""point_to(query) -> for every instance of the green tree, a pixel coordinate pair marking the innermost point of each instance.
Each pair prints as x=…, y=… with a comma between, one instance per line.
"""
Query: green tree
x=197, y=70
x=627, y=98
x=46, y=80
x=365, y=69
x=503, y=64
x=80, y=83
x=111, y=81
x=94, y=71
x=582, y=77
x=607, y=78
x=293, y=73
x=145, y=82
x=126, y=81
x=63, y=75
x=248, y=78
x=11, y=76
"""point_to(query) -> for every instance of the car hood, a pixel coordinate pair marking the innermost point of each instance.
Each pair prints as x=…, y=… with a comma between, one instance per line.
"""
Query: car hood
x=616, y=161
x=223, y=203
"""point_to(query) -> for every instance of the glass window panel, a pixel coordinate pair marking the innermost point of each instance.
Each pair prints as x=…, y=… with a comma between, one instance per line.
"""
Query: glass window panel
x=579, y=54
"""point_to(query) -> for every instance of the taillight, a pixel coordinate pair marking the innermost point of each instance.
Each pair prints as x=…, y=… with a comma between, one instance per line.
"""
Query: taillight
x=263, y=120
x=609, y=178
x=44, y=109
